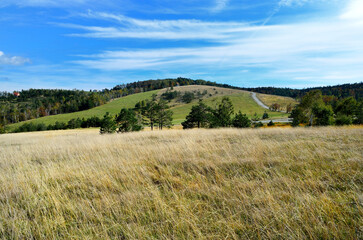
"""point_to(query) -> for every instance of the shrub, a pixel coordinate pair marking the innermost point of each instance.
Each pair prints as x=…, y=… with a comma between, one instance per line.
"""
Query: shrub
x=342, y=119
x=271, y=123
x=241, y=121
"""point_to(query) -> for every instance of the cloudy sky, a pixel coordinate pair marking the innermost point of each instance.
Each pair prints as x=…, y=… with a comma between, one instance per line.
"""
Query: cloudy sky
x=93, y=44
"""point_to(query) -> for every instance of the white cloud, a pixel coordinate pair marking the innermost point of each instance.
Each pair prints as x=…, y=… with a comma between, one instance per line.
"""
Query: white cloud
x=12, y=60
x=329, y=50
x=163, y=29
x=354, y=10
x=219, y=5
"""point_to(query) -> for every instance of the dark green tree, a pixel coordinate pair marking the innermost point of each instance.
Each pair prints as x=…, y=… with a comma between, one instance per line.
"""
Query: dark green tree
x=265, y=115
x=164, y=116
x=150, y=112
x=108, y=124
x=198, y=117
x=128, y=121
x=342, y=119
x=323, y=115
x=188, y=97
x=222, y=115
x=271, y=123
x=241, y=121
x=255, y=117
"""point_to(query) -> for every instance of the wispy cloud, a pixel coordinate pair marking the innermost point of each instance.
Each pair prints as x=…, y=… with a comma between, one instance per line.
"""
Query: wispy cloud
x=310, y=50
x=219, y=5
x=12, y=60
x=127, y=27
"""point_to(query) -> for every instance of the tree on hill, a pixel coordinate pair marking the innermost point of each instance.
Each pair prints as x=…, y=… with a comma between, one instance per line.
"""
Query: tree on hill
x=265, y=115
x=108, y=124
x=255, y=117
x=164, y=116
x=187, y=97
x=149, y=111
x=241, y=121
x=157, y=113
x=198, y=117
x=128, y=121
x=222, y=115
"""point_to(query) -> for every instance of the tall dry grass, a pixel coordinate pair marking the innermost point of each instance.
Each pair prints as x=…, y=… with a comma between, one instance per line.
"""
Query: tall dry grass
x=197, y=184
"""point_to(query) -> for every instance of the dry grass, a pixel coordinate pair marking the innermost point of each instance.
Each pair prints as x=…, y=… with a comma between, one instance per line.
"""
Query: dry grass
x=268, y=100
x=197, y=184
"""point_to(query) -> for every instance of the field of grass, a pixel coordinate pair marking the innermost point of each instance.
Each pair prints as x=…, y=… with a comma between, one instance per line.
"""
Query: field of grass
x=268, y=100
x=297, y=183
x=241, y=100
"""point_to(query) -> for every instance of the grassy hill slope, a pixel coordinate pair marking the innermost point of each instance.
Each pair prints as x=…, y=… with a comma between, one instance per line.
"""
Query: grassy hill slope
x=242, y=101
x=200, y=184
x=112, y=107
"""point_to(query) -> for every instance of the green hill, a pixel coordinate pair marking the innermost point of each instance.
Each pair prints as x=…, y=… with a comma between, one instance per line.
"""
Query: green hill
x=242, y=101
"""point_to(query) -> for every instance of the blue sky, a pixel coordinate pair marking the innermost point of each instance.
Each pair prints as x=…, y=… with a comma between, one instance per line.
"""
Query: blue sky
x=89, y=44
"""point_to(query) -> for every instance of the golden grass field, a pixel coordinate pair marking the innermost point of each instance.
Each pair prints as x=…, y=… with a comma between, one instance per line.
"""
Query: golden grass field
x=297, y=183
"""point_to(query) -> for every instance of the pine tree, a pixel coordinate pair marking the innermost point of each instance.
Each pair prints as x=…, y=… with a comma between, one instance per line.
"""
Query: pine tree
x=241, y=121
x=150, y=111
x=222, y=116
x=164, y=117
x=108, y=124
x=128, y=121
x=199, y=116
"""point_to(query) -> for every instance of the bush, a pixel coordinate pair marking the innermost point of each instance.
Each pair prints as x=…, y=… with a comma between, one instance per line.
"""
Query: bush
x=271, y=123
x=188, y=97
x=342, y=119
x=241, y=121
x=258, y=125
x=170, y=95
x=2, y=129
x=265, y=115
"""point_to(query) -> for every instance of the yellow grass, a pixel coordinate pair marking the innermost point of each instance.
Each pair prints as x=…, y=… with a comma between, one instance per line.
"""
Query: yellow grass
x=268, y=100
x=198, y=184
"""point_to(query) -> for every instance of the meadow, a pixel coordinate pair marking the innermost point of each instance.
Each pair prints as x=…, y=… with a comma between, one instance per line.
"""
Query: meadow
x=294, y=183
x=240, y=99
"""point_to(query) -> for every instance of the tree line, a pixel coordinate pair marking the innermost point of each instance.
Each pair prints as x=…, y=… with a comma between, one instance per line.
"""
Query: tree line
x=316, y=109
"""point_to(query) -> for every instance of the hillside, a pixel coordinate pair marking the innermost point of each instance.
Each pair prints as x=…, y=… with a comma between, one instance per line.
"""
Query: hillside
x=112, y=107
x=199, y=184
x=268, y=100
x=242, y=101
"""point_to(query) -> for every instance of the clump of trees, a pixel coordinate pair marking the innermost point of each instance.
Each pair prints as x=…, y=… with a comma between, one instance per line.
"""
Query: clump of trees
x=203, y=116
x=318, y=110
x=148, y=112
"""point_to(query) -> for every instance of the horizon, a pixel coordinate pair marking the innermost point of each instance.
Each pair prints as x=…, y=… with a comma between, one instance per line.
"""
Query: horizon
x=82, y=44
x=102, y=89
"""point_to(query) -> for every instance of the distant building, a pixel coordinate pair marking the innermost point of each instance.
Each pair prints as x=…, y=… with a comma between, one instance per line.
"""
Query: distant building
x=16, y=94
